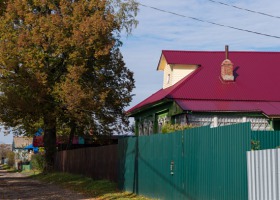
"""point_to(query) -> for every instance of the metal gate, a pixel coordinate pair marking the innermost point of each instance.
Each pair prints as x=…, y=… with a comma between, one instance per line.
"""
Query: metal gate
x=201, y=163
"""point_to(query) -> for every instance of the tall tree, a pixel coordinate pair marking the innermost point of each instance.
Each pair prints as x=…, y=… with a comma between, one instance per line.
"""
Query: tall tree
x=60, y=61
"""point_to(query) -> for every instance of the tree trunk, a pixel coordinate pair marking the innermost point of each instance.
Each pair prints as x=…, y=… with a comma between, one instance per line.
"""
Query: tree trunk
x=49, y=140
x=73, y=127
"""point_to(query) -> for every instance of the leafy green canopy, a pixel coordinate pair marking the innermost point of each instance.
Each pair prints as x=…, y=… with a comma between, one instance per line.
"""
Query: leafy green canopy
x=60, y=59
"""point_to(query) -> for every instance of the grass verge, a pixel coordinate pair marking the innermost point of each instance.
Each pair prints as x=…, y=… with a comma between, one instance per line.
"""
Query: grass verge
x=5, y=167
x=100, y=189
x=8, y=168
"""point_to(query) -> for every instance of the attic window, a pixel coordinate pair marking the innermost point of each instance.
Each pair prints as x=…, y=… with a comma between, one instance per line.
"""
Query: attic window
x=168, y=79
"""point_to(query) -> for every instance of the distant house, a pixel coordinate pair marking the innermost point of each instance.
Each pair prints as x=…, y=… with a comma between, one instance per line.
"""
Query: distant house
x=4, y=149
x=18, y=147
x=213, y=88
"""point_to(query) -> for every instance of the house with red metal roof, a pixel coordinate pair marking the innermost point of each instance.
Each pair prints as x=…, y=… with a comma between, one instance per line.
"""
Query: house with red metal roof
x=213, y=88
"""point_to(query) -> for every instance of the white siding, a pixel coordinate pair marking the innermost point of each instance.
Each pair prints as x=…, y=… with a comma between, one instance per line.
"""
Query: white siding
x=181, y=71
x=174, y=73
x=167, y=82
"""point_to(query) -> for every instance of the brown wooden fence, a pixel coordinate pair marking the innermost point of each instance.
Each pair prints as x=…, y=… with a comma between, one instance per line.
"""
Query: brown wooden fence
x=94, y=162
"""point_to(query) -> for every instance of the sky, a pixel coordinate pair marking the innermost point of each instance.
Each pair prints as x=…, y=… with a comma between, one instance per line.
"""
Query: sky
x=159, y=31
x=5, y=139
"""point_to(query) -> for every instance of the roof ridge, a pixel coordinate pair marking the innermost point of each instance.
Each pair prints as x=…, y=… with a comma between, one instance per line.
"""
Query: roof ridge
x=206, y=51
x=195, y=99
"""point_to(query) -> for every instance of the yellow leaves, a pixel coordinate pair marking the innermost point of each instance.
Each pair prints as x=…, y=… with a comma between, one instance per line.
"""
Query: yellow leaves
x=70, y=91
x=104, y=95
x=65, y=50
x=23, y=39
x=65, y=7
x=41, y=77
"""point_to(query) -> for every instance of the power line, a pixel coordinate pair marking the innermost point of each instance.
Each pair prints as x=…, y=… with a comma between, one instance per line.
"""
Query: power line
x=245, y=9
x=209, y=22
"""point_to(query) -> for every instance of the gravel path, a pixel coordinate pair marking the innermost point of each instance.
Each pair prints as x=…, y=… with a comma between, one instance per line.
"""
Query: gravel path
x=18, y=186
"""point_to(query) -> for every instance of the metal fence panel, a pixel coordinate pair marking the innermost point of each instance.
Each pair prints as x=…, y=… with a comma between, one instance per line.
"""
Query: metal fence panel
x=199, y=163
x=127, y=159
x=216, y=162
x=266, y=139
x=263, y=174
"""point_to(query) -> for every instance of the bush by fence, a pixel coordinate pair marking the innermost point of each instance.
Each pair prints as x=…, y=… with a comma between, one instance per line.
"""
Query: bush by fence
x=37, y=162
x=11, y=158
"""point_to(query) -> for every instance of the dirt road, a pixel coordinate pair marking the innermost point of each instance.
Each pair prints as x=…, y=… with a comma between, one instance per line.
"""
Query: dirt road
x=18, y=186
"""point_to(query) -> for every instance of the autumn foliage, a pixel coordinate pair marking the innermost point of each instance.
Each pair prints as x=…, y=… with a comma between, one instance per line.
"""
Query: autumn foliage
x=60, y=63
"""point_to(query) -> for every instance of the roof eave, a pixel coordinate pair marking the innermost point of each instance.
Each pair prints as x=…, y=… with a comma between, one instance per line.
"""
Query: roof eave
x=225, y=111
x=147, y=107
x=160, y=62
x=272, y=116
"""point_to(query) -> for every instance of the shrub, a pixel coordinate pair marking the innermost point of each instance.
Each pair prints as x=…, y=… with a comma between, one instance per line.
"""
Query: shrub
x=255, y=145
x=11, y=158
x=37, y=162
x=168, y=128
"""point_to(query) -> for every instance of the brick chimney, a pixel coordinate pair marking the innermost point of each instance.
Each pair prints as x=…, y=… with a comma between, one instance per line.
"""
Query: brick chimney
x=227, y=68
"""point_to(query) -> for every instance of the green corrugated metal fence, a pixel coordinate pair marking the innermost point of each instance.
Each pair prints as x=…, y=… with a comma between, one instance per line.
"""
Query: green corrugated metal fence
x=216, y=162
x=200, y=163
x=266, y=139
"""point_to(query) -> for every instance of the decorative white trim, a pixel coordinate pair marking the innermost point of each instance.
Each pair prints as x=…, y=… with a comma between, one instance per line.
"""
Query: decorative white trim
x=215, y=121
x=257, y=123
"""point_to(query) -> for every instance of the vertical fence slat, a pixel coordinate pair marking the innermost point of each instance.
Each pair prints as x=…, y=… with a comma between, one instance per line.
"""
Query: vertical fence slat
x=273, y=174
x=94, y=162
x=257, y=170
x=265, y=184
x=253, y=187
x=269, y=174
x=278, y=172
x=261, y=183
x=250, y=175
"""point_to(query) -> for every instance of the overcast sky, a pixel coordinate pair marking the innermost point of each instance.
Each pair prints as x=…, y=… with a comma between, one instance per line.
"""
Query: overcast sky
x=159, y=31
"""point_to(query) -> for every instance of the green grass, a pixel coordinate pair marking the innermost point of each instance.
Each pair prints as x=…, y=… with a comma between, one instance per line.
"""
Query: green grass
x=8, y=168
x=100, y=189
x=5, y=167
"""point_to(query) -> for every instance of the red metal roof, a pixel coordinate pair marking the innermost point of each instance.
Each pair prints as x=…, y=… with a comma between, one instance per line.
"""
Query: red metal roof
x=256, y=80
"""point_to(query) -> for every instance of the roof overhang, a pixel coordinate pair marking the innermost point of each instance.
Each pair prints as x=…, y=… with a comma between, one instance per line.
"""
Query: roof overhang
x=147, y=107
x=269, y=109
x=272, y=116
x=162, y=63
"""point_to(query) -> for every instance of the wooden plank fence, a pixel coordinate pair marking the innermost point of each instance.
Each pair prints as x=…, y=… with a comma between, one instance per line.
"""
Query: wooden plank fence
x=94, y=162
